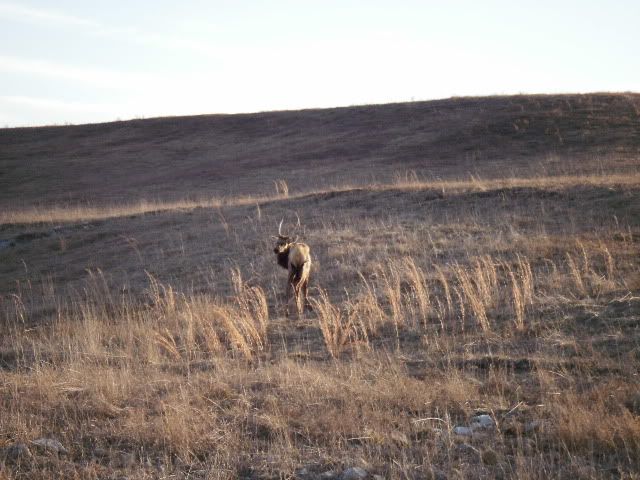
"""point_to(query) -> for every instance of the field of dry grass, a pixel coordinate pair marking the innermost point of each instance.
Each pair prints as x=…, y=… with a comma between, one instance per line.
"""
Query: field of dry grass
x=471, y=326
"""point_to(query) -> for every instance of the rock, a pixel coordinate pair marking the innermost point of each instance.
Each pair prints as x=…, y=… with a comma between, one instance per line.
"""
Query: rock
x=354, y=473
x=328, y=475
x=17, y=453
x=50, y=445
x=482, y=422
x=463, y=431
x=489, y=457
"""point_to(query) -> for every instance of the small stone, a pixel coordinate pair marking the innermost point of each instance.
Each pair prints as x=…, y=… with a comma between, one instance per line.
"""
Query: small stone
x=482, y=422
x=328, y=475
x=50, y=445
x=463, y=431
x=354, y=473
x=16, y=453
x=489, y=457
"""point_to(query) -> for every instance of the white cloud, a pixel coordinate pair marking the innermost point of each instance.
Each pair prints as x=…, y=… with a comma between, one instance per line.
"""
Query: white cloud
x=52, y=18
x=93, y=76
x=38, y=15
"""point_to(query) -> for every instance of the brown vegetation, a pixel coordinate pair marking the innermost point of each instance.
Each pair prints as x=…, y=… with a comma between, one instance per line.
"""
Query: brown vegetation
x=135, y=335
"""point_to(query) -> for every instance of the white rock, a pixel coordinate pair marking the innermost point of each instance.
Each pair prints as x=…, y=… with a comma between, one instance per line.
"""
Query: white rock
x=482, y=422
x=328, y=475
x=50, y=444
x=354, y=473
x=464, y=431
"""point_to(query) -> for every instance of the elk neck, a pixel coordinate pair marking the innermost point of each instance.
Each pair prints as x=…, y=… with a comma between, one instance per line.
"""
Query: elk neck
x=283, y=258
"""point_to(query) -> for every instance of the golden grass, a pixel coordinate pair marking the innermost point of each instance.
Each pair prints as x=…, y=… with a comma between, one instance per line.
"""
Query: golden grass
x=417, y=326
x=85, y=213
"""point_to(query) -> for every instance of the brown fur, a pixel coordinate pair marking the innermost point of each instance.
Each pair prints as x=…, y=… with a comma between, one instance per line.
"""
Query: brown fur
x=296, y=258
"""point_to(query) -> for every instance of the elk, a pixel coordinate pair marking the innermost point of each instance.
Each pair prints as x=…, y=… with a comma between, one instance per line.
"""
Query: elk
x=296, y=258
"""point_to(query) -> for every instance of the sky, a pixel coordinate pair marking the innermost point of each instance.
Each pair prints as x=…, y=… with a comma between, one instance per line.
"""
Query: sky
x=70, y=61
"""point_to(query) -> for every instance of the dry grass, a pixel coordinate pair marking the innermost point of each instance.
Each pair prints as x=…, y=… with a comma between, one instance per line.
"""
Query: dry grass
x=168, y=381
x=148, y=339
x=83, y=213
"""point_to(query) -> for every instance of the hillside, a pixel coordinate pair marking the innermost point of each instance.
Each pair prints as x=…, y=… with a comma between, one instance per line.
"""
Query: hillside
x=221, y=155
x=474, y=306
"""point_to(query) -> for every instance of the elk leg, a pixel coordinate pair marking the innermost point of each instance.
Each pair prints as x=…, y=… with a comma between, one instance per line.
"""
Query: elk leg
x=290, y=286
x=296, y=293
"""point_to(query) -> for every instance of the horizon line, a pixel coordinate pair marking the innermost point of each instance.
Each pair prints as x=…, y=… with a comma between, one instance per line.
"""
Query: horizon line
x=141, y=117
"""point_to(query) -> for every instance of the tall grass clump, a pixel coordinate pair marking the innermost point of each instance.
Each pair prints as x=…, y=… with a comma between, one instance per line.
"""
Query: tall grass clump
x=418, y=289
x=475, y=294
x=189, y=327
x=338, y=329
x=252, y=311
x=521, y=280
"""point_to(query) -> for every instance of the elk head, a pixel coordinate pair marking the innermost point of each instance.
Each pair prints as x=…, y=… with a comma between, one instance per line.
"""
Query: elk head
x=283, y=244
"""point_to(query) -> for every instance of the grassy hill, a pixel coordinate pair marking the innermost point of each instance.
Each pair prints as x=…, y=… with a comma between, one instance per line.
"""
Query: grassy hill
x=475, y=294
x=221, y=155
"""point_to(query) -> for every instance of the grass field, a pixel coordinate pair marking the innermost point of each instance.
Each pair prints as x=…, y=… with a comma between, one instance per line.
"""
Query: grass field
x=463, y=273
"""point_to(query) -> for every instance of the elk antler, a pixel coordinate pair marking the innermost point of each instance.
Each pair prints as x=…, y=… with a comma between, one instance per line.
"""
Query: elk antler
x=280, y=227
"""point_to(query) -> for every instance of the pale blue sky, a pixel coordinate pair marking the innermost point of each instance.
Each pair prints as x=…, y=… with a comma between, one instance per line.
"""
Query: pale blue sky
x=78, y=61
